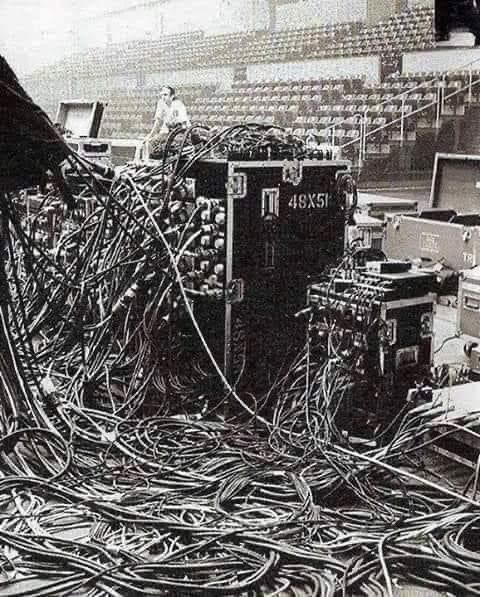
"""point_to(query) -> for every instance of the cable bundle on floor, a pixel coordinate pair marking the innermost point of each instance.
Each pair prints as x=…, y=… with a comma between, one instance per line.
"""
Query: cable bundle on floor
x=120, y=476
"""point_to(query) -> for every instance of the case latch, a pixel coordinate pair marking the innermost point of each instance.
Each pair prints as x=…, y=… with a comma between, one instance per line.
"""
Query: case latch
x=234, y=291
x=237, y=185
x=292, y=172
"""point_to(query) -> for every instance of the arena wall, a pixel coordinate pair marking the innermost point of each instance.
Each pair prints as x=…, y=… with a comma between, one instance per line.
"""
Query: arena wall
x=320, y=12
x=418, y=3
x=441, y=60
x=367, y=67
x=222, y=77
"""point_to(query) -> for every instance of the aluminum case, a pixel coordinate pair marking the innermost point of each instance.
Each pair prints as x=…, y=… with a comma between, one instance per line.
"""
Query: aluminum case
x=468, y=311
x=435, y=235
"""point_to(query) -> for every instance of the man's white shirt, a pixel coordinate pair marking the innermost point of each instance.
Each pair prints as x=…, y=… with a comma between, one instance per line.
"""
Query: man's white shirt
x=172, y=115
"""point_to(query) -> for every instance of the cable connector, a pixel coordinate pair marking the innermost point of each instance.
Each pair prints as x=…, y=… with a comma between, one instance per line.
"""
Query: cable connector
x=48, y=386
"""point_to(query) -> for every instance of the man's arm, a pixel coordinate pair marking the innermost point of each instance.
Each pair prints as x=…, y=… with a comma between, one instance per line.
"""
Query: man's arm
x=158, y=123
x=157, y=128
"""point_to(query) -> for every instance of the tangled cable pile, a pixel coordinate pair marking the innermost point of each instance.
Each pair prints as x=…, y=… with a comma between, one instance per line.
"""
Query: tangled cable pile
x=97, y=500
x=170, y=507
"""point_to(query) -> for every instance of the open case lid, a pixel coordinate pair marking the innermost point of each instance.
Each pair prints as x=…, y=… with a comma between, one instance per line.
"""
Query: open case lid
x=456, y=183
x=80, y=118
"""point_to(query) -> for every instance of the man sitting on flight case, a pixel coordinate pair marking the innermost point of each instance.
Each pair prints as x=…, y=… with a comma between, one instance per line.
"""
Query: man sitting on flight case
x=170, y=113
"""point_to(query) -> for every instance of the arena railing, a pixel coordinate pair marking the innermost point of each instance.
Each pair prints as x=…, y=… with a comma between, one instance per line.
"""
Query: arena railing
x=330, y=130
x=438, y=103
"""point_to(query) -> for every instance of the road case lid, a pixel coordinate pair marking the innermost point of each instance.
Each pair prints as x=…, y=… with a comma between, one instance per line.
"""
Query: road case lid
x=80, y=118
x=381, y=205
x=456, y=183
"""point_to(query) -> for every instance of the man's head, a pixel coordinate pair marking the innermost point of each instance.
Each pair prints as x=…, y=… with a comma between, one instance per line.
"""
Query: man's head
x=167, y=94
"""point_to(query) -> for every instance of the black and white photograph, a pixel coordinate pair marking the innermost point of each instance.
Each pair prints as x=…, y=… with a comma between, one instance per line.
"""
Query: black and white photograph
x=239, y=298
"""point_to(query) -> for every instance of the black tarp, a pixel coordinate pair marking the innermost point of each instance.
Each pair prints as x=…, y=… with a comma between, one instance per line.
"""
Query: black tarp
x=29, y=143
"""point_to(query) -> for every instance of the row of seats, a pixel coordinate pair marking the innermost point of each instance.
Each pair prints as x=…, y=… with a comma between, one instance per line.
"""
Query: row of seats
x=374, y=106
x=306, y=108
x=319, y=107
x=118, y=52
x=303, y=103
x=409, y=30
x=304, y=85
x=130, y=115
x=460, y=75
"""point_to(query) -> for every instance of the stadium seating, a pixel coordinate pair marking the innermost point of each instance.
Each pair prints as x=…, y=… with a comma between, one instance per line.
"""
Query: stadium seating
x=333, y=110
x=330, y=109
x=130, y=115
x=409, y=30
